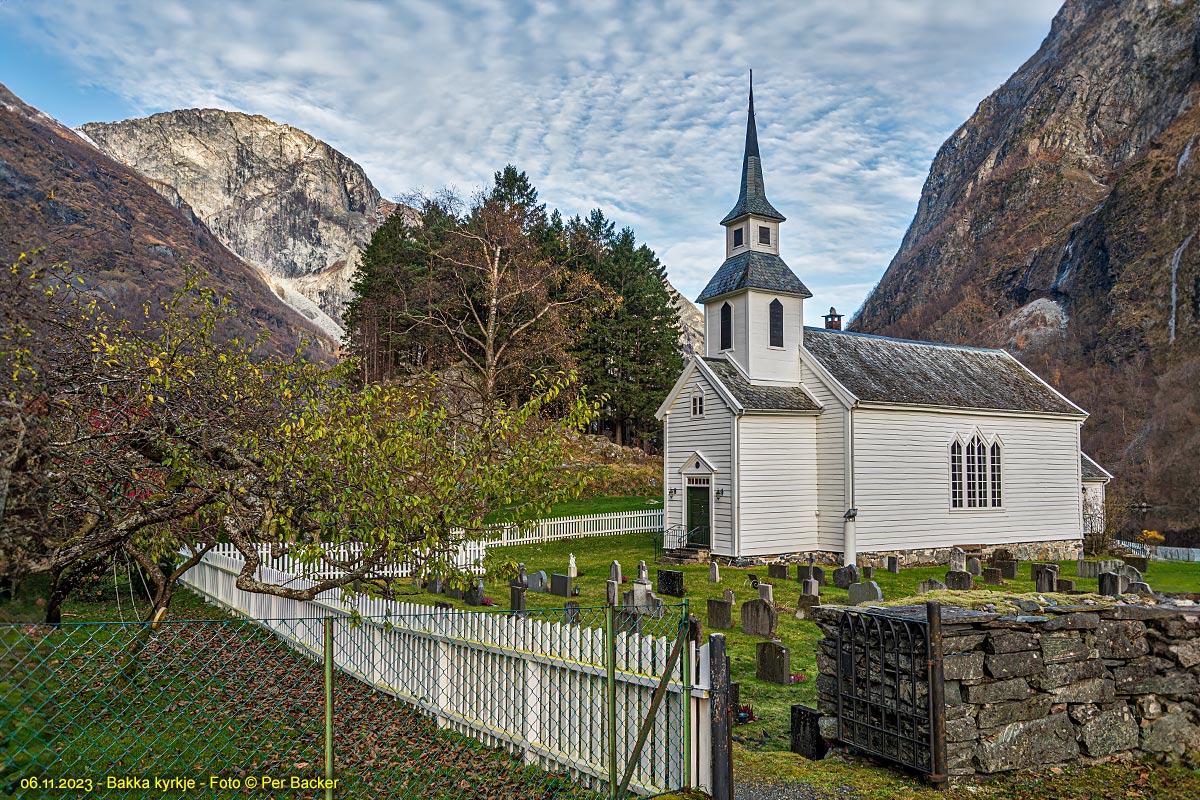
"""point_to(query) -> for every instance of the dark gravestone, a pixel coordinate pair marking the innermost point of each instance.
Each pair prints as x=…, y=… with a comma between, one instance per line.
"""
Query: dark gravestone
x=865, y=592
x=959, y=581
x=1140, y=563
x=1110, y=584
x=810, y=572
x=538, y=582
x=777, y=571
x=516, y=591
x=759, y=618
x=442, y=604
x=1140, y=587
x=819, y=574
x=434, y=585
x=806, y=735
x=454, y=593
x=1064, y=585
x=868, y=572
x=991, y=576
x=893, y=566
x=474, y=595
x=1045, y=580
x=560, y=585
x=720, y=615
x=773, y=662
x=931, y=585
x=695, y=631
x=974, y=567
x=571, y=614
x=1000, y=554
x=670, y=582
x=844, y=576
x=1008, y=568
x=805, y=604
x=628, y=620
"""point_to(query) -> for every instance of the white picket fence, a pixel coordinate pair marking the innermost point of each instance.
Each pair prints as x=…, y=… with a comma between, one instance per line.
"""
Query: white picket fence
x=1160, y=553
x=534, y=686
x=470, y=554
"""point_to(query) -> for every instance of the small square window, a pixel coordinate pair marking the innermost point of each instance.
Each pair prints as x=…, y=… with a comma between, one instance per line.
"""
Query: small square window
x=764, y=235
x=738, y=233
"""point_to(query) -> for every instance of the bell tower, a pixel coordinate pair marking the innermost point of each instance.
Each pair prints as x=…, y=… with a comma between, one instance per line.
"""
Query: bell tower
x=754, y=305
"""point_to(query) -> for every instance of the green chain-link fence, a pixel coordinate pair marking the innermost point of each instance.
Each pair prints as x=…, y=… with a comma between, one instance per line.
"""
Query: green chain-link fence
x=432, y=704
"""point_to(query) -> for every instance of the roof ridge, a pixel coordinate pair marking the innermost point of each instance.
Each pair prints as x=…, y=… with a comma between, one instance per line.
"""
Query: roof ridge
x=898, y=340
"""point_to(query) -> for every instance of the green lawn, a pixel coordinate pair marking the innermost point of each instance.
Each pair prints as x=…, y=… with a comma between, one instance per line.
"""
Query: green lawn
x=604, y=505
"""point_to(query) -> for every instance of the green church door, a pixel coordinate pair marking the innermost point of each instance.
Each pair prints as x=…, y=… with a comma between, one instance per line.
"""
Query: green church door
x=698, y=516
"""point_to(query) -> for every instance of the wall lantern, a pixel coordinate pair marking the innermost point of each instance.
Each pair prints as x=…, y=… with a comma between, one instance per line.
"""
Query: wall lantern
x=720, y=493
x=672, y=492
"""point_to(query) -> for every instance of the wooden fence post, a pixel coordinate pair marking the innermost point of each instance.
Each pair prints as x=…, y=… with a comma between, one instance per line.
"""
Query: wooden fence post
x=721, y=717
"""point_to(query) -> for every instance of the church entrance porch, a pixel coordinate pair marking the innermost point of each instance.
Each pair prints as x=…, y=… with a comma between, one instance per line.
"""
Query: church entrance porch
x=699, y=512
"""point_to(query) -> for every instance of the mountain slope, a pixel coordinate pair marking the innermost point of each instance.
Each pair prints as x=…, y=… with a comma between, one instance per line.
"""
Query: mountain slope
x=1057, y=221
x=59, y=192
x=287, y=202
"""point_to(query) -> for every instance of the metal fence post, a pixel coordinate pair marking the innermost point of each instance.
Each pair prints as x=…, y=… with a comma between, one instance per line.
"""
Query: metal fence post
x=721, y=719
x=328, y=622
x=937, y=696
x=610, y=660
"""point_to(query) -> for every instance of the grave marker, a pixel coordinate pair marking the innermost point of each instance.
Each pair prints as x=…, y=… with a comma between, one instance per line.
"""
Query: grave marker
x=714, y=572
x=670, y=582
x=777, y=571
x=865, y=592
x=773, y=662
x=538, y=582
x=931, y=585
x=759, y=618
x=1110, y=584
x=806, y=734
x=991, y=576
x=844, y=576
x=805, y=604
x=959, y=580
x=1008, y=568
x=720, y=615
x=560, y=585
x=958, y=560
x=571, y=613
x=810, y=588
x=974, y=567
x=893, y=566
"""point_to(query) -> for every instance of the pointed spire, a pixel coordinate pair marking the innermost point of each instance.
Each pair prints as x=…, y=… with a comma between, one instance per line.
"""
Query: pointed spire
x=753, y=196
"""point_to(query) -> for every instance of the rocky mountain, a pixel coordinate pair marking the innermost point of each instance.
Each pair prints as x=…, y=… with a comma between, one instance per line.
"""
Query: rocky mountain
x=60, y=193
x=290, y=204
x=1058, y=221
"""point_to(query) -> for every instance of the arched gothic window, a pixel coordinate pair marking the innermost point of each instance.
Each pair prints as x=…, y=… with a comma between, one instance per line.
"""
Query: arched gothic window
x=956, y=474
x=976, y=474
x=726, y=327
x=996, y=470
x=776, y=319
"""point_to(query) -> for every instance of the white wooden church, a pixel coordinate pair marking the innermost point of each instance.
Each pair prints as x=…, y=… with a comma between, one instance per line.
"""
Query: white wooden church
x=784, y=440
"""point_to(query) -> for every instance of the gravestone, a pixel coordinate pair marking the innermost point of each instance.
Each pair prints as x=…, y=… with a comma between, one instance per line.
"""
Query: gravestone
x=991, y=576
x=958, y=560
x=1064, y=585
x=766, y=592
x=571, y=614
x=773, y=662
x=1140, y=587
x=538, y=582
x=516, y=590
x=434, y=585
x=1110, y=584
x=805, y=604
x=959, y=580
x=1092, y=569
x=1129, y=573
x=1045, y=580
x=777, y=571
x=844, y=576
x=974, y=567
x=720, y=615
x=1000, y=554
x=810, y=588
x=1038, y=568
x=807, y=740
x=868, y=572
x=931, y=585
x=1008, y=568
x=640, y=599
x=612, y=593
x=454, y=593
x=614, y=571
x=572, y=569
x=810, y=571
x=759, y=618
x=560, y=585
x=628, y=620
x=714, y=572
x=643, y=572
x=1140, y=563
x=670, y=582
x=474, y=595
x=442, y=604
x=865, y=592
x=893, y=566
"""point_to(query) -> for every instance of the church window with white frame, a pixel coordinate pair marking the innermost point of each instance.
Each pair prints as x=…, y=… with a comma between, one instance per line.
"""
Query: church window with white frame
x=976, y=473
x=698, y=403
x=726, y=326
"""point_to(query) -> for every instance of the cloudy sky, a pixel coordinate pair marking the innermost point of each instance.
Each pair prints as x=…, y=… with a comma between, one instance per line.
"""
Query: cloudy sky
x=635, y=107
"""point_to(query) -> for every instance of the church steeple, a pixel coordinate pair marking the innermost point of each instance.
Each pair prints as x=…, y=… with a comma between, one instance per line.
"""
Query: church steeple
x=752, y=198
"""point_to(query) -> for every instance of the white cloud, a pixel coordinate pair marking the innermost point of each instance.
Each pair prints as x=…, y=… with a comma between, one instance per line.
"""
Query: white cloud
x=638, y=108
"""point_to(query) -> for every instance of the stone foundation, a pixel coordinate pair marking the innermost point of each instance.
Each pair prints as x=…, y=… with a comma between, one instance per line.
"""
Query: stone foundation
x=1058, y=550
x=1081, y=683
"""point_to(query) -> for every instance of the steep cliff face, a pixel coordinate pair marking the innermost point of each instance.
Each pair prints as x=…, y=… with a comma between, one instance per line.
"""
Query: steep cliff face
x=60, y=193
x=285, y=201
x=1057, y=222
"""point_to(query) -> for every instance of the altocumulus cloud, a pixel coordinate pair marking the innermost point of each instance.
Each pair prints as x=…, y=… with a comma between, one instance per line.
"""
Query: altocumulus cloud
x=634, y=107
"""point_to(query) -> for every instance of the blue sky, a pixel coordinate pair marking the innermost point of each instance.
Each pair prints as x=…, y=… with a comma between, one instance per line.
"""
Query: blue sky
x=634, y=107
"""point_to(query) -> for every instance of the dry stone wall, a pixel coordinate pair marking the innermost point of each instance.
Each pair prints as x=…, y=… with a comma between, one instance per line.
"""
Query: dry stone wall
x=1075, y=683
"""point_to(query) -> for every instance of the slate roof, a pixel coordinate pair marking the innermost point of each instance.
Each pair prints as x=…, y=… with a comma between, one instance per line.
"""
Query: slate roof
x=883, y=370
x=752, y=198
x=760, y=398
x=753, y=270
x=1091, y=470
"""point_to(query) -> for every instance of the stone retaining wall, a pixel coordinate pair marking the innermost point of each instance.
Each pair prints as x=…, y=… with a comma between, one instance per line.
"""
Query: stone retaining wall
x=1059, y=550
x=1079, y=683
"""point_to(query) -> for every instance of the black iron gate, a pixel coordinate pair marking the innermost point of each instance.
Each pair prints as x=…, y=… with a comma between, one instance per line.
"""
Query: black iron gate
x=890, y=695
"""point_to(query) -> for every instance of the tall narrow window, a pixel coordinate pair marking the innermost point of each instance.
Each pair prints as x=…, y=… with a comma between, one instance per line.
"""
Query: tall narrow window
x=726, y=326
x=738, y=237
x=698, y=403
x=776, y=318
x=981, y=472
x=956, y=475
x=764, y=234
x=972, y=475
x=996, y=473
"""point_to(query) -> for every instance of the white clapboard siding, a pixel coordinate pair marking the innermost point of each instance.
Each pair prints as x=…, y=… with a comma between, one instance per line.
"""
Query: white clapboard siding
x=777, y=484
x=711, y=436
x=532, y=686
x=831, y=463
x=901, y=480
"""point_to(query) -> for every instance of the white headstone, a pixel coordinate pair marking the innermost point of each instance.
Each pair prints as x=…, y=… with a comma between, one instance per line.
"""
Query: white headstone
x=572, y=570
x=766, y=592
x=714, y=572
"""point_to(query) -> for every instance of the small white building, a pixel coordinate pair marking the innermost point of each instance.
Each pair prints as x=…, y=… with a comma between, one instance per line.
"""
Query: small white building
x=785, y=440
